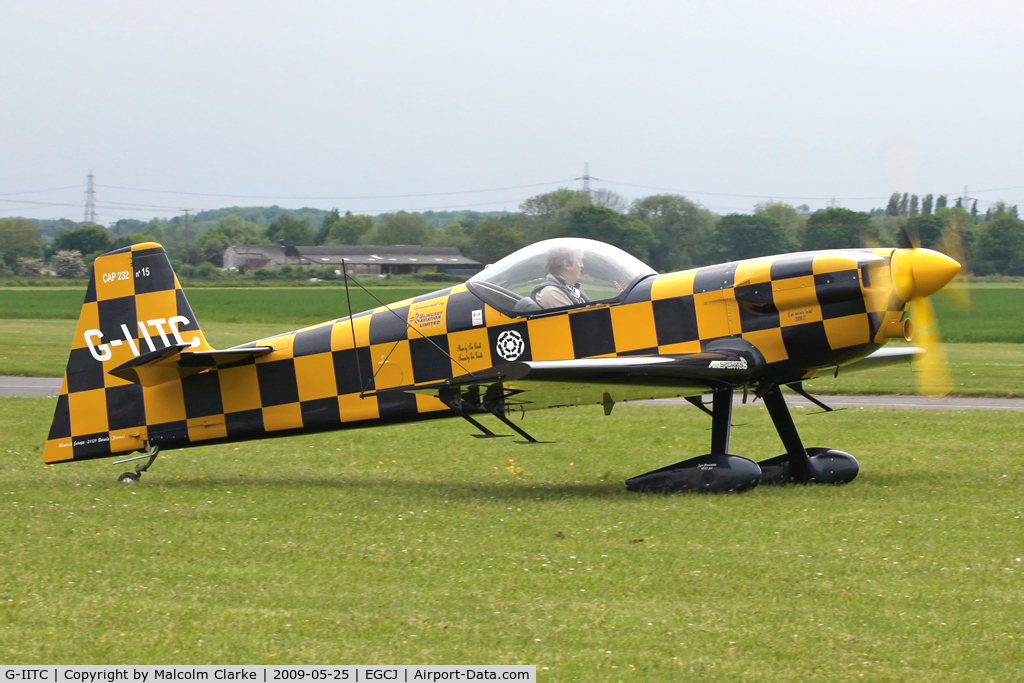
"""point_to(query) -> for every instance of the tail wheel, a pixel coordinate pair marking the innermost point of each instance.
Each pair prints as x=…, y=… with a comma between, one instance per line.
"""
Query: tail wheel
x=129, y=478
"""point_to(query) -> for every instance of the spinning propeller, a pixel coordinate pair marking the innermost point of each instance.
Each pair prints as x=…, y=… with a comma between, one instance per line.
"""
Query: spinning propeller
x=917, y=274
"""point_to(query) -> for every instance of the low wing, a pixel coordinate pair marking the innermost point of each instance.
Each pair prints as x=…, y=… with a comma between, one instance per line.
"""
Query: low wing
x=605, y=381
x=887, y=355
x=534, y=385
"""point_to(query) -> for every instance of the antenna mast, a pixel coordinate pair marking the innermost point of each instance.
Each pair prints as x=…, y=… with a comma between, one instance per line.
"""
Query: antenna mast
x=90, y=200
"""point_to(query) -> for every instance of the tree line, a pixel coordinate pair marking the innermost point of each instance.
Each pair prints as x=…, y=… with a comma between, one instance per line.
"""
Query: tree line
x=669, y=232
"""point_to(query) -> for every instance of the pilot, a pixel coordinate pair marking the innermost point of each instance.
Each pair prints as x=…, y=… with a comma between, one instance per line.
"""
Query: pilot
x=561, y=286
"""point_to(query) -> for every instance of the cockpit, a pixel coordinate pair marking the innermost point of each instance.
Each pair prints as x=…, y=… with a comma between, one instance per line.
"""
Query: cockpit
x=516, y=284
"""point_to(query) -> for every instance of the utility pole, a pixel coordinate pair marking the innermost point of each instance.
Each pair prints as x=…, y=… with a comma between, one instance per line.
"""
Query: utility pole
x=188, y=250
x=90, y=200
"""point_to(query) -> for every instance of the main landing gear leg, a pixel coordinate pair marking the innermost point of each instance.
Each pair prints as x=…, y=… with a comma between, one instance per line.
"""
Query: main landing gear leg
x=453, y=399
x=714, y=472
x=132, y=477
x=808, y=465
x=497, y=409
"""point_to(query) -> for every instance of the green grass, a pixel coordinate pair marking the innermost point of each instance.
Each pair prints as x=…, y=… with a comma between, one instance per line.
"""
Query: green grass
x=976, y=370
x=997, y=315
x=419, y=544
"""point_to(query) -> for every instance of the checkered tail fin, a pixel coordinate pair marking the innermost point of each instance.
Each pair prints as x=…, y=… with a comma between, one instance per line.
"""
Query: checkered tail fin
x=134, y=308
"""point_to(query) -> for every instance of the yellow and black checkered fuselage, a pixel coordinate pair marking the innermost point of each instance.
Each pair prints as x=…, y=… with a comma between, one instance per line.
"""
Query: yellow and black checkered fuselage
x=801, y=312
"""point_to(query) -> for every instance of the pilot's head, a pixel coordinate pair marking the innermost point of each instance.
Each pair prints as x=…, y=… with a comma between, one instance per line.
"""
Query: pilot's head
x=566, y=261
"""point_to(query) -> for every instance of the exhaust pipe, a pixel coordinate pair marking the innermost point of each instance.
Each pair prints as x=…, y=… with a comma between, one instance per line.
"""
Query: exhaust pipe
x=897, y=329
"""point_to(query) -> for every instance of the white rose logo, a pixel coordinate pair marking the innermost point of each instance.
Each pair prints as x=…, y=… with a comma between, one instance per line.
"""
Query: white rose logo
x=510, y=345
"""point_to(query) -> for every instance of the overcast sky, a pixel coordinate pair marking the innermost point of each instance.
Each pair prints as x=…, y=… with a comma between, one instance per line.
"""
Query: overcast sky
x=360, y=105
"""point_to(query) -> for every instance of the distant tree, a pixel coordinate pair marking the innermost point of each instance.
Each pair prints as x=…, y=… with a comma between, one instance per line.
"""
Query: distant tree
x=1001, y=209
x=496, y=238
x=792, y=220
x=941, y=201
x=904, y=205
x=127, y=226
x=453, y=235
x=740, y=236
x=926, y=204
x=85, y=239
x=325, y=227
x=210, y=248
x=887, y=229
x=913, y=206
x=683, y=231
x=293, y=231
x=610, y=200
x=959, y=203
x=836, y=228
x=68, y=264
x=921, y=231
x=349, y=229
x=1001, y=242
x=235, y=229
x=974, y=209
x=959, y=238
x=600, y=223
x=402, y=228
x=547, y=205
x=636, y=238
x=30, y=267
x=133, y=238
x=19, y=238
x=893, y=209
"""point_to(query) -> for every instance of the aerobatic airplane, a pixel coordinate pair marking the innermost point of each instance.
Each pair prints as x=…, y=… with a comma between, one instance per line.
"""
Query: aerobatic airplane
x=560, y=323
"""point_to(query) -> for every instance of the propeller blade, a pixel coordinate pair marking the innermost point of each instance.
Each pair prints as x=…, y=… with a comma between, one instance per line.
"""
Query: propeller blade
x=960, y=292
x=932, y=371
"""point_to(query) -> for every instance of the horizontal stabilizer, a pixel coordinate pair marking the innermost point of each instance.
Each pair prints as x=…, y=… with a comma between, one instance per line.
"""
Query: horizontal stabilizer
x=174, y=362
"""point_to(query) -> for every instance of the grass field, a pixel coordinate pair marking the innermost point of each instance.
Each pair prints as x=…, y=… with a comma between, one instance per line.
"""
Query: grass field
x=419, y=544
x=997, y=315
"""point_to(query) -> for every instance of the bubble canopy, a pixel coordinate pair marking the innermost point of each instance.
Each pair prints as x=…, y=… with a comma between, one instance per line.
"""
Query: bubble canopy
x=608, y=274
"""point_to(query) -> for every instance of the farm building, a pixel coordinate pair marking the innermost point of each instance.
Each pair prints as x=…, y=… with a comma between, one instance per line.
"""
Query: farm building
x=247, y=257
x=377, y=259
